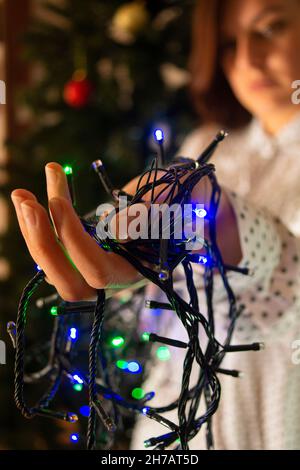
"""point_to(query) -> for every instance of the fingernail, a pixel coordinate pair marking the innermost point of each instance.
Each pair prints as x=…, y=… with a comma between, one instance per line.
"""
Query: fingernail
x=51, y=175
x=56, y=210
x=28, y=214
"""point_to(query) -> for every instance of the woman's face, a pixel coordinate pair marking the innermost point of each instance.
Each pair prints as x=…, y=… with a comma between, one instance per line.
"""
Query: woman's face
x=260, y=52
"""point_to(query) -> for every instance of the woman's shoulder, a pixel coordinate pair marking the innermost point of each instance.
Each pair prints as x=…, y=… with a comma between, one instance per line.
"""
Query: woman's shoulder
x=198, y=139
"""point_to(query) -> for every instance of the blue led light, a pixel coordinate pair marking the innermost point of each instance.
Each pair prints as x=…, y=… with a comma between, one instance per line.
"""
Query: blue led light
x=73, y=333
x=85, y=410
x=159, y=135
x=38, y=268
x=145, y=410
x=202, y=260
x=156, y=312
x=77, y=379
x=201, y=213
x=149, y=396
x=134, y=367
x=74, y=438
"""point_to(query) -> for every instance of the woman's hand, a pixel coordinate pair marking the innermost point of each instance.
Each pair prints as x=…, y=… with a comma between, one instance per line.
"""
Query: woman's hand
x=72, y=261
x=90, y=267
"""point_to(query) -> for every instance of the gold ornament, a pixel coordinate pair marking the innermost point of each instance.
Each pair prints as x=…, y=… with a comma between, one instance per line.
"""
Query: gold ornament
x=129, y=20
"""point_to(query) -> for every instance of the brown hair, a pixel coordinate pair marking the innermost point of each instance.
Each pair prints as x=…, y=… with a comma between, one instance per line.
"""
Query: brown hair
x=210, y=91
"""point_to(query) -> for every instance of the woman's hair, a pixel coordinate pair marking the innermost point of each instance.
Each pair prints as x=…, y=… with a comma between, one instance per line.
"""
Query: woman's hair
x=211, y=94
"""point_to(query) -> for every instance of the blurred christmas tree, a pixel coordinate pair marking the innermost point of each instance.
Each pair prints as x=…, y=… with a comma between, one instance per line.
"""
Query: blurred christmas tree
x=105, y=75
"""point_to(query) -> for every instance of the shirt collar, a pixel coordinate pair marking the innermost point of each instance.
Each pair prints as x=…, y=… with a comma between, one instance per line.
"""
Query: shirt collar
x=269, y=146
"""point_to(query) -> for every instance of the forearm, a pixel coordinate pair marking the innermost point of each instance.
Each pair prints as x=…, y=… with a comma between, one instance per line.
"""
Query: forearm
x=228, y=238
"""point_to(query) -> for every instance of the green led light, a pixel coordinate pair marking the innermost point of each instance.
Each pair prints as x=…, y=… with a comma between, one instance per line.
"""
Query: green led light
x=138, y=393
x=53, y=311
x=122, y=364
x=163, y=353
x=117, y=342
x=145, y=337
x=78, y=387
x=68, y=170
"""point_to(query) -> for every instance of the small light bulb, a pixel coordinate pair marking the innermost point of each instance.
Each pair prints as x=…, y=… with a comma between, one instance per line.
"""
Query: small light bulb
x=68, y=170
x=159, y=135
x=85, y=411
x=117, y=342
x=146, y=337
x=138, y=393
x=122, y=364
x=134, y=367
x=73, y=333
x=54, y=311
x=163, y=353
x=164, y=275
x=201, y=213
x=72, y=418
x=74, y=437
x=149, y=396
x=77, y=379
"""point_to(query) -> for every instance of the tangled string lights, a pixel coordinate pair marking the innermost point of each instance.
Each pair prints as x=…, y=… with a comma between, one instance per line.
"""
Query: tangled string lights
x=156, y=260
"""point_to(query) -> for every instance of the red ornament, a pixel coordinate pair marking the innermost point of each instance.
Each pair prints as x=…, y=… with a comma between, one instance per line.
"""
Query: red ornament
x=78, y=92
